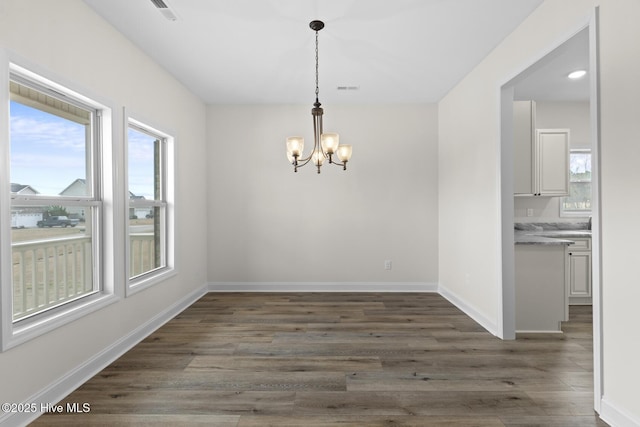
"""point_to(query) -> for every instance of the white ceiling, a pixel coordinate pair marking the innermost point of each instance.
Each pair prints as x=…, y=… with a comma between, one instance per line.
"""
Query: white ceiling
x=262, y=51
x=547, y=80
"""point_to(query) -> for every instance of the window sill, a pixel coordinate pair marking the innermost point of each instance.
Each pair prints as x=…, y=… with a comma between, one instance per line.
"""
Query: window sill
x=141, y=283
x=584, y=215
x=32, y=328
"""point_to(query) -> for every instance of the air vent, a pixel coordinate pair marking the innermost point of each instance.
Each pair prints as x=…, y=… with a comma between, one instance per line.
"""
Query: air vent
x=164, y=9
x=348, y=88
x=159, y=4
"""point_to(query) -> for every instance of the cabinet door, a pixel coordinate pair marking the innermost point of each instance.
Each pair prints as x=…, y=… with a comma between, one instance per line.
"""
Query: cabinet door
x=523, y=147
x=579, y=274
x=552, y=152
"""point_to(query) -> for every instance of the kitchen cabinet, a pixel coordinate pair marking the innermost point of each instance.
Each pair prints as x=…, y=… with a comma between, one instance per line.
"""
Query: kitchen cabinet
x=541, y=298
x=524, y=132
x=578, y=268
x=551, y=171
x=541, y=156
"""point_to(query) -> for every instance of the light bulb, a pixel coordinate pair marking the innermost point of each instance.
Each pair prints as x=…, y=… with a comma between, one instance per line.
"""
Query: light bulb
x=344, y=152
x=295, y=145
x=330, y=142
x=317, y=158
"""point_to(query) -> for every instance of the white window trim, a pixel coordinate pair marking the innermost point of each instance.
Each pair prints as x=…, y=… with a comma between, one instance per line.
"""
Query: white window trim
x=573, y=214
x=153, y=277
x=15, y=333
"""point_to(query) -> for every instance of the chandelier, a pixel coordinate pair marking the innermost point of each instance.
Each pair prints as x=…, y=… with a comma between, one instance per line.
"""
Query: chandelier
x=325, y=145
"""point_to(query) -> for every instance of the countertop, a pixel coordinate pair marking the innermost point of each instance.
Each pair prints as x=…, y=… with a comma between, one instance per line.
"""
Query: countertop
x=549, y=234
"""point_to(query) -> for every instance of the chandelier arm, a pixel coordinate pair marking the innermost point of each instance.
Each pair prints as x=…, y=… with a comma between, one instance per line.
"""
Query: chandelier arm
x=302, y=162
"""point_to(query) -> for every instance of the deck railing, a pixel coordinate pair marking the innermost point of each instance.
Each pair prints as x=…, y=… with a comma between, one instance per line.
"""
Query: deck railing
x=141, y=253
x=48, y=273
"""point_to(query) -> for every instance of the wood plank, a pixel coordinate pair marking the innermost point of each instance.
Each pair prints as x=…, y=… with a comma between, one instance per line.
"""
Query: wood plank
x=452, y=381
x=283, y=364
x=172, y=402
x=351, y=337
x=138, y=420
x=221, y=380
x=369, y=421
x=553, y=421
x=416, y=403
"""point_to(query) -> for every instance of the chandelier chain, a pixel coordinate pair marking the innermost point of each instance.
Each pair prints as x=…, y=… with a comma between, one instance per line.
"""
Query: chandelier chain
x=317, y=87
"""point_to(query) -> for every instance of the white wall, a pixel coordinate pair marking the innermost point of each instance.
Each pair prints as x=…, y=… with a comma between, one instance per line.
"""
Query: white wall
x=620, y=118
x=269, y=224
x=66, y=39
x=573, y=115
x=470, y=256
x=553, y=115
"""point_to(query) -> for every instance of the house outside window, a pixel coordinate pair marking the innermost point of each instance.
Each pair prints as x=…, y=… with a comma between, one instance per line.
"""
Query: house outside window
x=578, y=203
x=150, y=207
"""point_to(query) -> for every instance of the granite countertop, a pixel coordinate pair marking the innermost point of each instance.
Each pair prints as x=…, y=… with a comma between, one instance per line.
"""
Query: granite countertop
x=550, y=233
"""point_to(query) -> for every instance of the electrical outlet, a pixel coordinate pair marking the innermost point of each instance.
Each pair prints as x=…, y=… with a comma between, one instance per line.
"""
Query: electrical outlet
x=387, y=264
x=529, y=212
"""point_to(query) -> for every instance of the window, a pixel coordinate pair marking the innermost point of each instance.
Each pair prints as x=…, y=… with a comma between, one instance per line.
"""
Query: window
x=578, y=203
x=56, y=207
x=149, y=211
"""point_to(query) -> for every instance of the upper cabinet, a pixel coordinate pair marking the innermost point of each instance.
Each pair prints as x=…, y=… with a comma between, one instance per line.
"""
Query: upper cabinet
x=541, y=156
x=524, y=121
x=552, y=160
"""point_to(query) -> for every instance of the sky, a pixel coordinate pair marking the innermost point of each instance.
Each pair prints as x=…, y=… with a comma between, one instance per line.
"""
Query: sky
x=141, y=148
x=49, y=153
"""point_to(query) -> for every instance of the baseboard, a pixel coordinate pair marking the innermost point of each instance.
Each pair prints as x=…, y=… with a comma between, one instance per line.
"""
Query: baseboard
x=525, y=332
x=470, y=311
x=614, y=416
x=61, y=388
x=322, y=287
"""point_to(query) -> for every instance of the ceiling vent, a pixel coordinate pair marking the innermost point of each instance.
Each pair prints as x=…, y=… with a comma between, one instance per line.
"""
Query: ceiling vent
x=348, y=88
x=165, y=10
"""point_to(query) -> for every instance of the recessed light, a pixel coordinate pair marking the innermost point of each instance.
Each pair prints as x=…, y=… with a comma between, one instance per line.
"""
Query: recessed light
x=577, y=74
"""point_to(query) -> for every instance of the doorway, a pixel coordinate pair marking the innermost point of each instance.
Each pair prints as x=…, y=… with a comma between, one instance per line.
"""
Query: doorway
x=545, y=81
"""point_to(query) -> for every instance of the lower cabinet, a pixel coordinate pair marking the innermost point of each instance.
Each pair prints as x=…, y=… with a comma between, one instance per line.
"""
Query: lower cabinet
x=541, y=298
x=578, y=272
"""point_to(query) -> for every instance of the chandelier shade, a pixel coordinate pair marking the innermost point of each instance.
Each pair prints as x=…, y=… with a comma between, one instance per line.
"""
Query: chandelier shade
x=325, y=145
x=295, y=145
x=344, y=153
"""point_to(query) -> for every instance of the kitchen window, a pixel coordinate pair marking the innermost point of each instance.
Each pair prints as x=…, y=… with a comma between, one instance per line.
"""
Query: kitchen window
x=52, y=268
x=578, y=203
x=150, y=207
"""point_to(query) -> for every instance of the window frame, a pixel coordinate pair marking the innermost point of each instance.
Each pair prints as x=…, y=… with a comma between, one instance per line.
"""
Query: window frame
x=157, y=275
x=576, y=214
x=17, y=332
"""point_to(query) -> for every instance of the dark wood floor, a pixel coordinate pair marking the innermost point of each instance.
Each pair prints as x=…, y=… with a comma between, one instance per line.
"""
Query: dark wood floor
x=341, y=359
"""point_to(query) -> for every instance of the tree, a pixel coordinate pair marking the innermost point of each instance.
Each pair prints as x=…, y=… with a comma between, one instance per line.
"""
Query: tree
x=56, y=211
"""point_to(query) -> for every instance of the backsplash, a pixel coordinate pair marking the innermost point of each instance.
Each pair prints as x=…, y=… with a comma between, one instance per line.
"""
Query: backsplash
x=541, y=209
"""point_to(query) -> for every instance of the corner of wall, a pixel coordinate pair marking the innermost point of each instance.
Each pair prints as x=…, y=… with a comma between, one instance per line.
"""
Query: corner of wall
x=469, y=310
